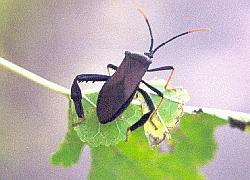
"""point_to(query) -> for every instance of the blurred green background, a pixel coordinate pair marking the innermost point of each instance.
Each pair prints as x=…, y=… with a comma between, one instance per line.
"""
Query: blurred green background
x=60, y=39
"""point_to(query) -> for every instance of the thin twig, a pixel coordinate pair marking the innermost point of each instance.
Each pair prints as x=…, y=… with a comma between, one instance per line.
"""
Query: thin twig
x=33, y=77
x=40, y=80
x=224, y=114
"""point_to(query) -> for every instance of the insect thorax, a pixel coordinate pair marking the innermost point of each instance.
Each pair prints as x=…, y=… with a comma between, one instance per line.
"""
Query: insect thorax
x=138, y=57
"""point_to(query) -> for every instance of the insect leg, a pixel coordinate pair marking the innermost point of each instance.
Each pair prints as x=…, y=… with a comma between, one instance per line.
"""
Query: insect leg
x=76, y=94
x=144, y=117
x=111, y=66
x=161, y=101
x=158, y=92
x=164, y=68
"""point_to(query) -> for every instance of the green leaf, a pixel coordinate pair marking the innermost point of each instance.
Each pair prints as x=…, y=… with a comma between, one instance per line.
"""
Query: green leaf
x=69, y=151
x=193, y=145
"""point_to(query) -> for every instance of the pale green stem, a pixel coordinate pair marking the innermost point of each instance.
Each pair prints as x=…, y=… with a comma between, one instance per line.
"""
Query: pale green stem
x=224, y=114
x=33, y=77
x=38, y=79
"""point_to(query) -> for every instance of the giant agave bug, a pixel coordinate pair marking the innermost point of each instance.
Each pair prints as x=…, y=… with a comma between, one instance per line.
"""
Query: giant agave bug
x=119, y=89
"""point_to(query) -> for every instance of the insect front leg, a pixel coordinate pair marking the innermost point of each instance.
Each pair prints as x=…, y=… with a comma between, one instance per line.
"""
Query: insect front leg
x=144, y=117
x=164, y=68
x=76, y=94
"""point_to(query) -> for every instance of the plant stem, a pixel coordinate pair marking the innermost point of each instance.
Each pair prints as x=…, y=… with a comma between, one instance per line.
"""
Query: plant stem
x=39, y=80
x=224, y=114
x=33, y=77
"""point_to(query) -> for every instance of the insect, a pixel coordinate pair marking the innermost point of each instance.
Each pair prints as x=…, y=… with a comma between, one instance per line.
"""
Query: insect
x=235, y=123
x=119, y=89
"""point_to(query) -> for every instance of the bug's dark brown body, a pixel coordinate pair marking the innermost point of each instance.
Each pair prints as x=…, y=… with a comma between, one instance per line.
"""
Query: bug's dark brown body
x=118, y=91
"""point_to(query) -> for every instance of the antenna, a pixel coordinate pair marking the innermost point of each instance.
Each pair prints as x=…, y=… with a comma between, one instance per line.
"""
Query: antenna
x=150, y=31
x=182, y=34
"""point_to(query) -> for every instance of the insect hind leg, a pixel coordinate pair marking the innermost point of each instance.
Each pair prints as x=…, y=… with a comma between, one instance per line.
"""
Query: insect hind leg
x=144, y=117
x=76, y=94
